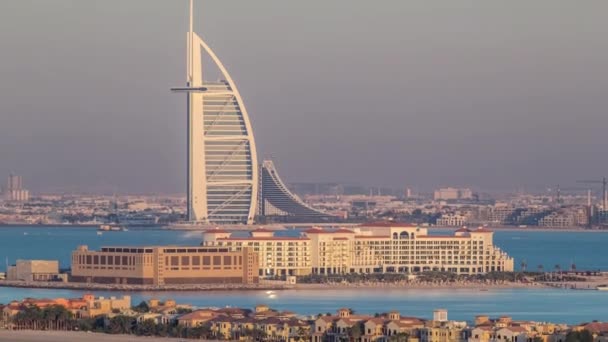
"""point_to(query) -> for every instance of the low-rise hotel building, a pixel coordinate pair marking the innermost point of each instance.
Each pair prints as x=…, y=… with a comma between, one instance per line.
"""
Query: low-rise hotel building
x=278, y=255
x=370, y=248
x=166, y=265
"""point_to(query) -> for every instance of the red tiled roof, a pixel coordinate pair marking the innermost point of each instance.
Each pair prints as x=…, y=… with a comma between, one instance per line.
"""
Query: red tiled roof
x=596, y=327
x=377, y=320
x=314, y=231
x=481, y=230
x=516, y=329
x=199, y=314
x=388, y=224
x=372, y=236
x=343, y=231
x=441, y=237
x=263, y=238
x=327, y=319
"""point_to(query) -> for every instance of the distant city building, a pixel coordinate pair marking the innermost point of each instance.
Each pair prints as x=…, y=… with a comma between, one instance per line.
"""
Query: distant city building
x=408, y=193
x=14, y=190
x=276, y=201
x=452, y=220
x=164, y=265
x=447, y=194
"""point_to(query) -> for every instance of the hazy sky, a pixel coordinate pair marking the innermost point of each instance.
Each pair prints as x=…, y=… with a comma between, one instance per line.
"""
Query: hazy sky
x=494, y=94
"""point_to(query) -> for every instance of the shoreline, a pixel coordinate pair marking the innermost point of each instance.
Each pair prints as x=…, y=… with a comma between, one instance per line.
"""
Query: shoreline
x=277, y=287
x=141, y=288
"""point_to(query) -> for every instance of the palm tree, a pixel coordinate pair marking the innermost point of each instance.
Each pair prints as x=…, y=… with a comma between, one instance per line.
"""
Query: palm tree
x=523, y=265
x=354, y=332
x=400, y=337
x=302, y=334
x=146, y=328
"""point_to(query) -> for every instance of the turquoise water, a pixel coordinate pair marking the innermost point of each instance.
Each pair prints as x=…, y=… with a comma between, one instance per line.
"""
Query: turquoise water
x=585, y=249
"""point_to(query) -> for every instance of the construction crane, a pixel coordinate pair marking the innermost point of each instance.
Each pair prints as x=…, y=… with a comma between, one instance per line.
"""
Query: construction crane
x=604, y=183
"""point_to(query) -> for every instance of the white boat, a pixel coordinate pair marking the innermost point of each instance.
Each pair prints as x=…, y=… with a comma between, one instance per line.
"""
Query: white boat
x=602, y=288
x=112, y=228
x=99, y=233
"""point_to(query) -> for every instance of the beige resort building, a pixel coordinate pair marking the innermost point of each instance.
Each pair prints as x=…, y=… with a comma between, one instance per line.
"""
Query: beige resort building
x=370, y=248
x=167, y=265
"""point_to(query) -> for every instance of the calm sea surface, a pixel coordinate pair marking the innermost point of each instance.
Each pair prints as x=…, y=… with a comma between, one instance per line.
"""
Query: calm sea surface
x=585, y=249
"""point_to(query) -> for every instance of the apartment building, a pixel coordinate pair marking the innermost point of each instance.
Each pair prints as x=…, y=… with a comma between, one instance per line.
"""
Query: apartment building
x=278, y=255
x=164, y=265
x=390, y=247
x=370, y=248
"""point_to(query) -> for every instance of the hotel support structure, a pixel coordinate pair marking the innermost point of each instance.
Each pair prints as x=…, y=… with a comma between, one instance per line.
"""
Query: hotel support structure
x=371, y=248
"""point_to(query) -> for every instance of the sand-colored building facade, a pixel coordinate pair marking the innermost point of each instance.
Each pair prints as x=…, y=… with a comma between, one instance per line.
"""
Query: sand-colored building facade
x=34, y=270
x=370, y=248
x=166, y=265
x=278, y=255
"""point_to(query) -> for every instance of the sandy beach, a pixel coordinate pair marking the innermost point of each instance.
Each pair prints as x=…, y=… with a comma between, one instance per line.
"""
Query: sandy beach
x=74, y=336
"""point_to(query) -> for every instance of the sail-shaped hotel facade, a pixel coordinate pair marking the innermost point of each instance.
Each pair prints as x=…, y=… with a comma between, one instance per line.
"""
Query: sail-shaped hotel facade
x=225, y=184
x=222, y=161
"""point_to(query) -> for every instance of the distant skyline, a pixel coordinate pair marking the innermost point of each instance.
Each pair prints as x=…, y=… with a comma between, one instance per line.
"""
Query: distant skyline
x=410, y=93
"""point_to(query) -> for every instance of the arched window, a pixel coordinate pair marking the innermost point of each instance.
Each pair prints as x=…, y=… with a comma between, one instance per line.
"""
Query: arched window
x=404, y=235
x=395, y=236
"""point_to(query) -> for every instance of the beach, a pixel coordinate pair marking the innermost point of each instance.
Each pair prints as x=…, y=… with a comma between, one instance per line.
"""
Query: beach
x=74, y=336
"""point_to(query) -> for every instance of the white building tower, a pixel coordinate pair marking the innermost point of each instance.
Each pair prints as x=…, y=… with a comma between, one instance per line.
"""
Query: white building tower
x=222, y=161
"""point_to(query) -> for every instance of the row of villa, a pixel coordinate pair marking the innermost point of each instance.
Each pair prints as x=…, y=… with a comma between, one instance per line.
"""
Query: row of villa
x=265, y=324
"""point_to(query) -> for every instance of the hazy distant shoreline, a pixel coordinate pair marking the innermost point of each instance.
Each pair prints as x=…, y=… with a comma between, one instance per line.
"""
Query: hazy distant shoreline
x=500, y=228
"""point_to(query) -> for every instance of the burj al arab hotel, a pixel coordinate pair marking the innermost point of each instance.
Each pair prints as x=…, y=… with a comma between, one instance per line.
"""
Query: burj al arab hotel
x=225, y=184
x=222, y=161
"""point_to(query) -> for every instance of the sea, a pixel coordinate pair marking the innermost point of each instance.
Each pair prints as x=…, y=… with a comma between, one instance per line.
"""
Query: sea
x=586, y=250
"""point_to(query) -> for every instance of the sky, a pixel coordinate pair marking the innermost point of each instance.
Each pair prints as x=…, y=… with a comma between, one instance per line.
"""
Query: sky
x=417, y=93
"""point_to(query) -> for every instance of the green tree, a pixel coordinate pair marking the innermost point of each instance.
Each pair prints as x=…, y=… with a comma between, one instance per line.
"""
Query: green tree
x=355, y=332
x=146, y=328
x=579, y=336
x=302, y=334
x=142, y=307
x=400, y=337
x=121, y=325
